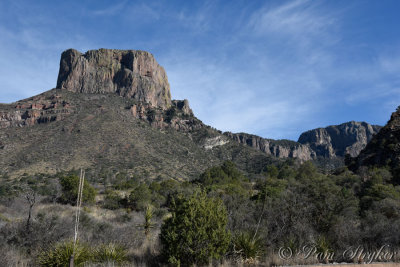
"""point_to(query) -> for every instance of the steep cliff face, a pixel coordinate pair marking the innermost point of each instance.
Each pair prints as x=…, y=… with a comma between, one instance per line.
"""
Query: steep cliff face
x=339, y=140
x=128, y=73
x=384, y=148
x=276, y=148
x=330, y=142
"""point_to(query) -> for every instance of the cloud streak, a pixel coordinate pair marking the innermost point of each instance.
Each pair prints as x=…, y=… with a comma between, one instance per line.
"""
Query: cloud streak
x=274, y=69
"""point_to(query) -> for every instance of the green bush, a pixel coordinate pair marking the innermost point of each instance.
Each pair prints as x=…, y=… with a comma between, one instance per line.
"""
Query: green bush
x=69, y=187
x=271, y=188
x=112, y=200
x=196, y=231
x=247, y=246
x=272, y=171
x=140, y=197
x=225, y=174
x=60, y=255
x=110, y=253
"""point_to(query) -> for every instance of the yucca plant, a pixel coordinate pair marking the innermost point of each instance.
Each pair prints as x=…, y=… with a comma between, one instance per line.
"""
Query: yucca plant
x=110, y=253
x=148, y=224
x=323, y=249
x=247, y=246
x=60, y=254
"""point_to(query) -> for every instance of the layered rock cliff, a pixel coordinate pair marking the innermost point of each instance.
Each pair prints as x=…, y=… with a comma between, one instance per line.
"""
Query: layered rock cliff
x=339, y=140
x=276, y=148
x=330, y=142
x=34, y=110
x=128, y=73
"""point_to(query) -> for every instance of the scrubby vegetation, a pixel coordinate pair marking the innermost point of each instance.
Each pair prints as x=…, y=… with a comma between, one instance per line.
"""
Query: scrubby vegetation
x=196, y=230
x=226, y=216
x=69, y=185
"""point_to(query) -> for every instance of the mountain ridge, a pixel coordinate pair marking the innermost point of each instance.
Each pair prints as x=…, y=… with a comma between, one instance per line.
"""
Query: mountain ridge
x=137, y=86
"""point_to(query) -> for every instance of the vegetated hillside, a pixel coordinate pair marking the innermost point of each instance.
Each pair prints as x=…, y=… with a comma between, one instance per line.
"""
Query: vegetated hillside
x=112, y=109
x=150, y=162
x=247, y=220
x=100, y=132
x=383, y=150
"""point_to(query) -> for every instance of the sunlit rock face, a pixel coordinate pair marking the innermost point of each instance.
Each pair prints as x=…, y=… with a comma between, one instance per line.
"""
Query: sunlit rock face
x=128, y=73
x=339, y=140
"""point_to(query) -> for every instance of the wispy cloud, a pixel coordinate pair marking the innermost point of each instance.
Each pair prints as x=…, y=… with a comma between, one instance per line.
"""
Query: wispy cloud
x=300, y=20
x=109, y=10
x=390, y=61
x=271, y=68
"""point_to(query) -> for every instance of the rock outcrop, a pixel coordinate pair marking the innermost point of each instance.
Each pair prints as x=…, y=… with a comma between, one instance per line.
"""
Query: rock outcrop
x=35, y=110
x=276, y=148
x=339, y=140
x=179, y=116
x=330, y=142
x=383, y=149
x=183, y=105
x=128, y=73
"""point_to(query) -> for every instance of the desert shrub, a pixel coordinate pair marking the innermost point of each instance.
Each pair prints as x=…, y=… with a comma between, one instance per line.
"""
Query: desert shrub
x=140, y=197
x=248, y=246
x=124, y=182
x=287, y=172
x=169, y=187
x=60, y=254
x=271, y=188
x=307, y=171
x=224, y=179
x=69, y=187
x=6, y=191
x=155, y=187
x=272, y=171
x=110, y=253
x=196, y=231
x=112, y=200
x=381, y=224
x=225, y=174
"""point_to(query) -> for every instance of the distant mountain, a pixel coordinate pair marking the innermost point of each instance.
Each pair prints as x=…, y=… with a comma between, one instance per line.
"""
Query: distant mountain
x=339, y=140
x=384, y=148
x=276, y=148
x=112, y=109
x=331, y=142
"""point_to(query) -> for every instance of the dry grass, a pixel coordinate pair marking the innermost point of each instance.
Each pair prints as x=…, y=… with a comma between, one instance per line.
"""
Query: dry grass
x=11, y=256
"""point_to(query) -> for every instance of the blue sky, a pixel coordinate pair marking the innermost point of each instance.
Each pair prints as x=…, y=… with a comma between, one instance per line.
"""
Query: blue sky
x=271, y=68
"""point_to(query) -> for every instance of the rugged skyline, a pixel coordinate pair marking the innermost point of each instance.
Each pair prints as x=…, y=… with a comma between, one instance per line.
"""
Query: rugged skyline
x=114, y=108
x=275, y=68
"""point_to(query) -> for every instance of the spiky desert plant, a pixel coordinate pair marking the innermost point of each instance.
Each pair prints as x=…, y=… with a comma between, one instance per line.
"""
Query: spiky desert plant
x=148, y=223
x=60, y=254
x=110, y=253
x=247, y=246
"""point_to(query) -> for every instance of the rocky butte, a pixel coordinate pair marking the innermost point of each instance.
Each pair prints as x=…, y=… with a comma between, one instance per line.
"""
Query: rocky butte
x=128, y=73
x=113, y=109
